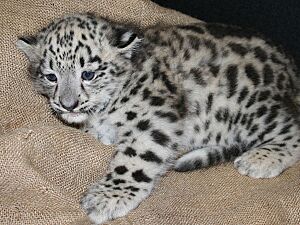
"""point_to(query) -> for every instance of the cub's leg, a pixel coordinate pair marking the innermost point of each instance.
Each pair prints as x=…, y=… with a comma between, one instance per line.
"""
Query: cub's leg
x=267, y=160
x=138, y=163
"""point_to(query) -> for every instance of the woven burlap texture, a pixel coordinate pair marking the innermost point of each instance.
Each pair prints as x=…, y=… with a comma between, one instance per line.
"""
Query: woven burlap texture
x=45, y=166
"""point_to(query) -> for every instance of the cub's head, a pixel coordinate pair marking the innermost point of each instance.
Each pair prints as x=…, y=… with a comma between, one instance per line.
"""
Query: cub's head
x=79, y=62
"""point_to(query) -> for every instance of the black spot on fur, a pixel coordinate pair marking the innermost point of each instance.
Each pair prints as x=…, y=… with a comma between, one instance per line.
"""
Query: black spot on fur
x=285, y=129
x=135, y=89
x=238, y=48
x=206, y=124
x=119, y=124
x=51, y=64
x=88, y=49
x=273, y=114
x=95, y=59
x=156, y=101
x=51, y=50
x=222, y=115
x=260, y=54
x=169, y=115
x=280, y=81
x=160, y=138
x=243, y=94
x=81, y=60
x=207, y=139
x=179, y=132
x=83, y=37
x=197, y=164
x=218, y=138
x=126, y=83
x=266, y=131
x=124, y=99
x=212, y=47
x=131, y=115
x=187, y=54
x=150, y=156
x=244, y=119
x=209, y=102
x=131, y=188
x=121, y=169
x=214, y=69
x=251, y=100
x=140, y=176
x=214, y=158
x=253, y=129
x=130, y=152
x=108, y=177
x=181, y=106
x=252, y=74
x=264, y=95
x=231, y=74
x=143, y=125
x=171, y=87
x=262, y=110
x=275, y=59
x=194, y=41
x=233, y=151
x=146, y=93
x=198, y=108
x=155, y=71
x=117, y=188
x=112, y=110
x=128, y=133
x=143, y=78
x=197, y=128
x=118, y=181
x=197, y=75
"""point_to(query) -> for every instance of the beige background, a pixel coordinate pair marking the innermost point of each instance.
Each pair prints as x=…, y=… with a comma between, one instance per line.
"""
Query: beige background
x=45, y=166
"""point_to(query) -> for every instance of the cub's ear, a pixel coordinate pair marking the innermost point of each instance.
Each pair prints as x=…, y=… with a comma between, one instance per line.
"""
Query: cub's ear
x=126, y=41
x=28, y=45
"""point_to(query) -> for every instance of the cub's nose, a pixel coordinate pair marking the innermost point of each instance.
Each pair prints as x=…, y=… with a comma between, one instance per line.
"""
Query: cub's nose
x=70, y=105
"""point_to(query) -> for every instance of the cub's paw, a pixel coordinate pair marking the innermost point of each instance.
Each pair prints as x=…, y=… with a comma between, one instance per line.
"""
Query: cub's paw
x=103, y=202
x=258, y=164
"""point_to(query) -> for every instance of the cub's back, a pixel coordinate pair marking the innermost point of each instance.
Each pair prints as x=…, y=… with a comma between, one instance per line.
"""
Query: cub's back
x=231, y=54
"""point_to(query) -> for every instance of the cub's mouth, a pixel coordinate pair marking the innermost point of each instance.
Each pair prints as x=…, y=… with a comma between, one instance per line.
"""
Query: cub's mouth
x=74, y=117
x=79, y=115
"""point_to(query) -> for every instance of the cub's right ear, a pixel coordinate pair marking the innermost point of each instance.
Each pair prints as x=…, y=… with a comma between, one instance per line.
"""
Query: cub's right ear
x=28, y=45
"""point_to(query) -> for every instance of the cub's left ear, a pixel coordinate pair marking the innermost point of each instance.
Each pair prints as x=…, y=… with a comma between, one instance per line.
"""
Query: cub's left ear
x=127, y=42
x=28, y=45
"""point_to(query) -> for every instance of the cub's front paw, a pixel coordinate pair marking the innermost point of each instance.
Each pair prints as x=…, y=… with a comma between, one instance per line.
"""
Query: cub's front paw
x=104, y=201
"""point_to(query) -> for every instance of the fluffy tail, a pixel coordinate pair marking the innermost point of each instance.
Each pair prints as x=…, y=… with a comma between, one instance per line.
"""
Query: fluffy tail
x=207, y=156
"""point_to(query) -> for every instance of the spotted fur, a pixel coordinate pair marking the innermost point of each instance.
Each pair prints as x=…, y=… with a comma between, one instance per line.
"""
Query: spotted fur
x=218, y=92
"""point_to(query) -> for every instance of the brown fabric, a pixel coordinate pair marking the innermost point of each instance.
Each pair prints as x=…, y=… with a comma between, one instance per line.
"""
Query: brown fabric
x=45, y=166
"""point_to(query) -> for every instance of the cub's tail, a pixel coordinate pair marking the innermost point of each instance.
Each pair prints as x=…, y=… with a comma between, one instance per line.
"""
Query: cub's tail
x=207, y=156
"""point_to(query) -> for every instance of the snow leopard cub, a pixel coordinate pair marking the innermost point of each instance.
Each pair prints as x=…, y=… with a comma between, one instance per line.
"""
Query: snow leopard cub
x=218, y=92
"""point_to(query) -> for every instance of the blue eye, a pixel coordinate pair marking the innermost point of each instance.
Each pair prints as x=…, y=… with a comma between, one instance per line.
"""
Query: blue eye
x=87, y=75
x=51, y=77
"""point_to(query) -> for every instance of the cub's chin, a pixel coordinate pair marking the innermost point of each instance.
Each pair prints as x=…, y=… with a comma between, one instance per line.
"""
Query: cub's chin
x=74, y=117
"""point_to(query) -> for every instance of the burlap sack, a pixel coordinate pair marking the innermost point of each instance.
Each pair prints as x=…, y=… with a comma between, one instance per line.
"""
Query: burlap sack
x=45, y=166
